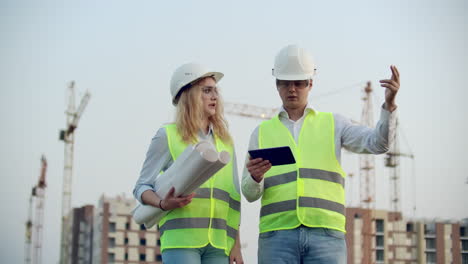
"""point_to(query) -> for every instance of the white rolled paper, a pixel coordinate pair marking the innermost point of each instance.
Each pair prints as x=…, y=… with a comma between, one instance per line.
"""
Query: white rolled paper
x=194, y=166
x=223, y=159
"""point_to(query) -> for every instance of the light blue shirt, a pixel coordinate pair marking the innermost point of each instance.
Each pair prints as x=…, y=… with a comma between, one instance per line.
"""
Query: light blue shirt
x=159, y=158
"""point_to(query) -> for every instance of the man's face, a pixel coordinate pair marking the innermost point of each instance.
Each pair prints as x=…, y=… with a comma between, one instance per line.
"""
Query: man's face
x=294, y=94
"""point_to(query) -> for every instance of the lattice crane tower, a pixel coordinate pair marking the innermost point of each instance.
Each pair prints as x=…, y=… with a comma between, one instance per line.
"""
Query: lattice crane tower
x=67, y=136
x=367, y=161
x=34, y=226
x=392, y=162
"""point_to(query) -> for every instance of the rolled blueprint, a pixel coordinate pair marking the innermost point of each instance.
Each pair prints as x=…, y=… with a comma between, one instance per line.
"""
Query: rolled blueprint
x=194, y=166
x=223, y=159
x=197, y=161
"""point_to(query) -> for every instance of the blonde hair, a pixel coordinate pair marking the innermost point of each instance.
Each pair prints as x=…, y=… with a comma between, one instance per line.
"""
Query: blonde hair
x=189, y=115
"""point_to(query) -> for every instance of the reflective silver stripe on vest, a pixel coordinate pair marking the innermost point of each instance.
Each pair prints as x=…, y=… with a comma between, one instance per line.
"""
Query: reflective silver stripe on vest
x=221, y=195
x=303, y=202
x=203, y=193
x=218, y=194
x=218, y=223
x=322, y=204
x=235, y=205
x=304, y=173
x=278, y=207
x=231, y=232
x=280, y=179
x=321, y=175
x=180, y=223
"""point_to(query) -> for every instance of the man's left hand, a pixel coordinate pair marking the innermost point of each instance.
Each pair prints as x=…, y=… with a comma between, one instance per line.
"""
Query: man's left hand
x=392, y=86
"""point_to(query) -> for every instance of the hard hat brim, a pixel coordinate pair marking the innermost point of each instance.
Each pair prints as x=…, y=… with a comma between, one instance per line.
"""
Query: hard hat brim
x=294, y=77
x=216, y=75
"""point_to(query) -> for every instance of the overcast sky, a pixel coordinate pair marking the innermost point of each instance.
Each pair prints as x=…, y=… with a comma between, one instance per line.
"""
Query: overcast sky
x=124, y=54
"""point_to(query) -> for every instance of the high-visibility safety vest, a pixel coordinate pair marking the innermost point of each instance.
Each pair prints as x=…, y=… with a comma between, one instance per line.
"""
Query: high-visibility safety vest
x=311, y=191
x=213, y=215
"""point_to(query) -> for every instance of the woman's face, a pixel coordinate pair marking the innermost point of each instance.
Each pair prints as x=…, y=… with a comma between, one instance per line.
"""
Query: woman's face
x=209, y=94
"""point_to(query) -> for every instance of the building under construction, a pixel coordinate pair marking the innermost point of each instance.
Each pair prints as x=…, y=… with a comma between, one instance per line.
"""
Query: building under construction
x=108, y=234
x=378, y=236
x=80, y=235
x=118, y=239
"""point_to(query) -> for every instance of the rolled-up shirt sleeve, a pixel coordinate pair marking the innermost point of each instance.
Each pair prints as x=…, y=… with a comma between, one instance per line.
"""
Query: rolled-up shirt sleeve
x=251, y=189
x=158, y=158
x=361, y=139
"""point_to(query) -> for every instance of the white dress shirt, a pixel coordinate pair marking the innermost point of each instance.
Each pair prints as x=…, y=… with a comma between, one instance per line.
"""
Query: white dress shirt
x=353, y=137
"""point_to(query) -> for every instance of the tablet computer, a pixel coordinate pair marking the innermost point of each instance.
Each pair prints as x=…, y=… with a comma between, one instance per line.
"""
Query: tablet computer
x=276, y=156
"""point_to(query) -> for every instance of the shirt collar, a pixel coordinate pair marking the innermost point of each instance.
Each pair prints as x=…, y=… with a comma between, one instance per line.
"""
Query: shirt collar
x=202, y=134
x=309, y=108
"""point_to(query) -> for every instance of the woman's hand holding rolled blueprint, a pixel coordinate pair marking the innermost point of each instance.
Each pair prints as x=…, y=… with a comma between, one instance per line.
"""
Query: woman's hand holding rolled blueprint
x=192, y=168
x=169, y=202
x=172, y=202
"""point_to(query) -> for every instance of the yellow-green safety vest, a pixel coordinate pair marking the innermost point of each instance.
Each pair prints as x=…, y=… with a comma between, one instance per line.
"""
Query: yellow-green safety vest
x=311, y=191
x=213, y=215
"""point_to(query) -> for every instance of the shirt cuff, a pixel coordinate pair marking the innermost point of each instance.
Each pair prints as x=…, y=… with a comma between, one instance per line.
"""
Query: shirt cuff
x=389, y=119
x=386, y=115
x=141, y=190
x=252, y=189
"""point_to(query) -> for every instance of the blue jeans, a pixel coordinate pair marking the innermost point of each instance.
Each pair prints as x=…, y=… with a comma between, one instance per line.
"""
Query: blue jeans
x=204, y=255
x=302, y=245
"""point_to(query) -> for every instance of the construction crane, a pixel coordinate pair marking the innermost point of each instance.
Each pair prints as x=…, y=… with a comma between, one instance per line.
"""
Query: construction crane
x=250, y=111
x=367, y=161
x=73, y=116
x=34, y=227
x=28, y=233
x=392, y=162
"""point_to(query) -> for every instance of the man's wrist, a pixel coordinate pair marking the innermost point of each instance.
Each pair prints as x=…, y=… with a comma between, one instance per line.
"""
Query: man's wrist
x=255, y=179
x=390, y=107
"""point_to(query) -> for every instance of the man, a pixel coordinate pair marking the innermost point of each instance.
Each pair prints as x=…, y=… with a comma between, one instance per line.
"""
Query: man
x=302, y=218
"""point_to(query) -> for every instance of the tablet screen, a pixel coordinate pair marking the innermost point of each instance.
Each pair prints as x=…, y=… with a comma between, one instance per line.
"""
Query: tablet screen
x=276, y=156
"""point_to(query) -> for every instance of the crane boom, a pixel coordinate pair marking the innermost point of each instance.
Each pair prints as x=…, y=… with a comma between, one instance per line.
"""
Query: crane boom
x=79, y=112
x=251, y=111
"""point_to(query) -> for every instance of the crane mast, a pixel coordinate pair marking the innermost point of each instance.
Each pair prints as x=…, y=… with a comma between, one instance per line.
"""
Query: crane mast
x=367, y=161
x=39, y=192
x=392, y=162
x=68, y=137
x=34, y=226
x=28, y=233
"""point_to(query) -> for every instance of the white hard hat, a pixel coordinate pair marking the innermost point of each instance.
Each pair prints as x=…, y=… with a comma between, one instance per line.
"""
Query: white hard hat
x=293, y=63
x=188, y=74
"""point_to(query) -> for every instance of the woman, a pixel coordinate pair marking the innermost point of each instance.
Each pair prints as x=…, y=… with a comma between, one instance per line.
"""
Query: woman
x=200, y=227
